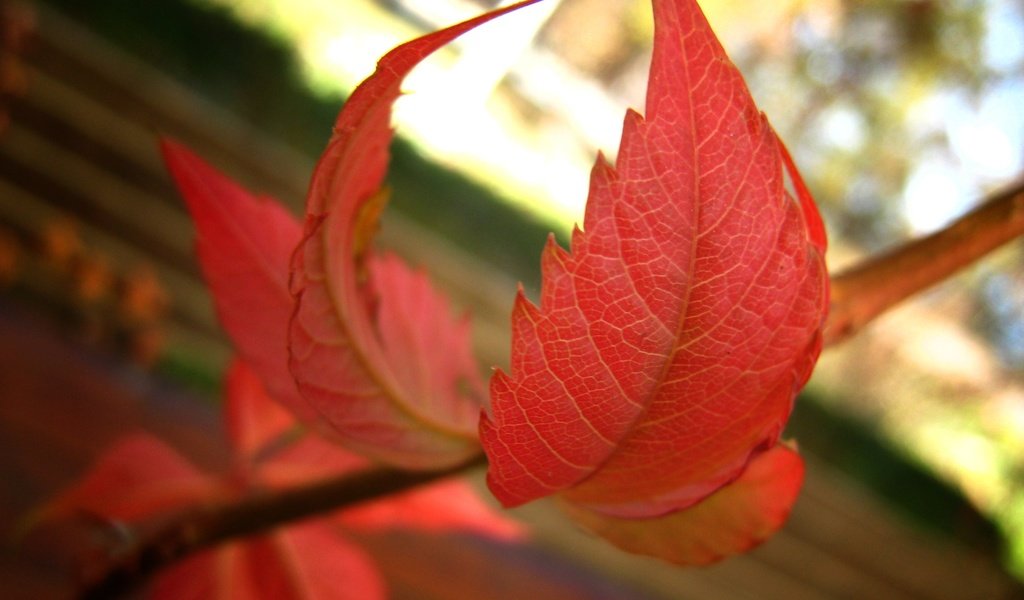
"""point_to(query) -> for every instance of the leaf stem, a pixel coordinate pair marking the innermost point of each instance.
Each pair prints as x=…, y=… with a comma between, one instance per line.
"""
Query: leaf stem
x=868, y=289
x=204, y=526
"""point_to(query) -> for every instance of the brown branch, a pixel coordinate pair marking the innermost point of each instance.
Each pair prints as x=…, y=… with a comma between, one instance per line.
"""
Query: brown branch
x=858, y=296
x=205, y=526
x=867, y=290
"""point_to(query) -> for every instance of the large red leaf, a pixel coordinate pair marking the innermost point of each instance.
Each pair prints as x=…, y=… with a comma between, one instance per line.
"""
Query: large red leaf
x=244, y=244
x=670, y=342
x=374, y=349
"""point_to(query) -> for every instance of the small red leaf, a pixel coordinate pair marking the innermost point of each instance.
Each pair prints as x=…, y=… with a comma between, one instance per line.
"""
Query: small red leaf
x=135, y=478
x=448, y=505
x=307, y=459
x=362, y=339
x=427, y=349
x=252, y=419
x=304, y=562
x=218, y=574
x=736, y=518
x=244, y=244
x=670, y=342
x=141, y=477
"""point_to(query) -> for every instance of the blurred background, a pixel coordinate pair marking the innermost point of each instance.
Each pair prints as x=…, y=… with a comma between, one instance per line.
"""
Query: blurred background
x=900, y=115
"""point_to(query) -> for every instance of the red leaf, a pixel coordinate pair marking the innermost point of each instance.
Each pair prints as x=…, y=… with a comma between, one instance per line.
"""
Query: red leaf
x=448, y=505
x=244, y=244
x=140, y=477
x=253, y=420
x=369, y=365
x=218, y=574
x=304, y=562
x=137, y=477
x=264, y=437
x=427, y=350
x=734, y=519
x=670, y=342
x=308, y=459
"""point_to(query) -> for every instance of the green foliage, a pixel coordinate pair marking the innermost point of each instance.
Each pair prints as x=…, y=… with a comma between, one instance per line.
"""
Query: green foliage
x=853, y=446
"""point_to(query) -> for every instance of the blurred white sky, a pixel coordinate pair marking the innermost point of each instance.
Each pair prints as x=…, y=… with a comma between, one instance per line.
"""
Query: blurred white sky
x=986, y=137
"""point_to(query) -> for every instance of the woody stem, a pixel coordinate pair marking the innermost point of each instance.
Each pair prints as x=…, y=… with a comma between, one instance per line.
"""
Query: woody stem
x=204, y=526
x=863, y=292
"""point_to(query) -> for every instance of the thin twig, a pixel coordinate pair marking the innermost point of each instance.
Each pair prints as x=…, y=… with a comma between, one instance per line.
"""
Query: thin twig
x=205, y=526
x=874, y=286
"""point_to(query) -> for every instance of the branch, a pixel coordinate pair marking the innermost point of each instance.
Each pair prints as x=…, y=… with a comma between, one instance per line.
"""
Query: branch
x=858, y=295
x=865, y=291
x=205, y=526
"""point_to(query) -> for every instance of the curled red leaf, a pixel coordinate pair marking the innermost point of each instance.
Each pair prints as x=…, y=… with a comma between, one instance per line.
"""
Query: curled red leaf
x=373, y=348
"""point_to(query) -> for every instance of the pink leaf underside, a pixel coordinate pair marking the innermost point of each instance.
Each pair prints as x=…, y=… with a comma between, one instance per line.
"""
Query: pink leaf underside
x=254, y=421
x=139, y=476
x=733, y=520
x=244, y=244
x=310, y=458
x=392, y=390
x=309, y=561
x=670, y=342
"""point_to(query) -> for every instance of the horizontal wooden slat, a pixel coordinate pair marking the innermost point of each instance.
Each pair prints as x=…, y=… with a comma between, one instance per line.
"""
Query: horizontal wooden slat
x=194, y=327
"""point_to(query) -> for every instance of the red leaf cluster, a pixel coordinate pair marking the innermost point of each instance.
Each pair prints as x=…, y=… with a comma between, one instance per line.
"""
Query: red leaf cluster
x=648, y=390
x=141, y=477
x=660, y=367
